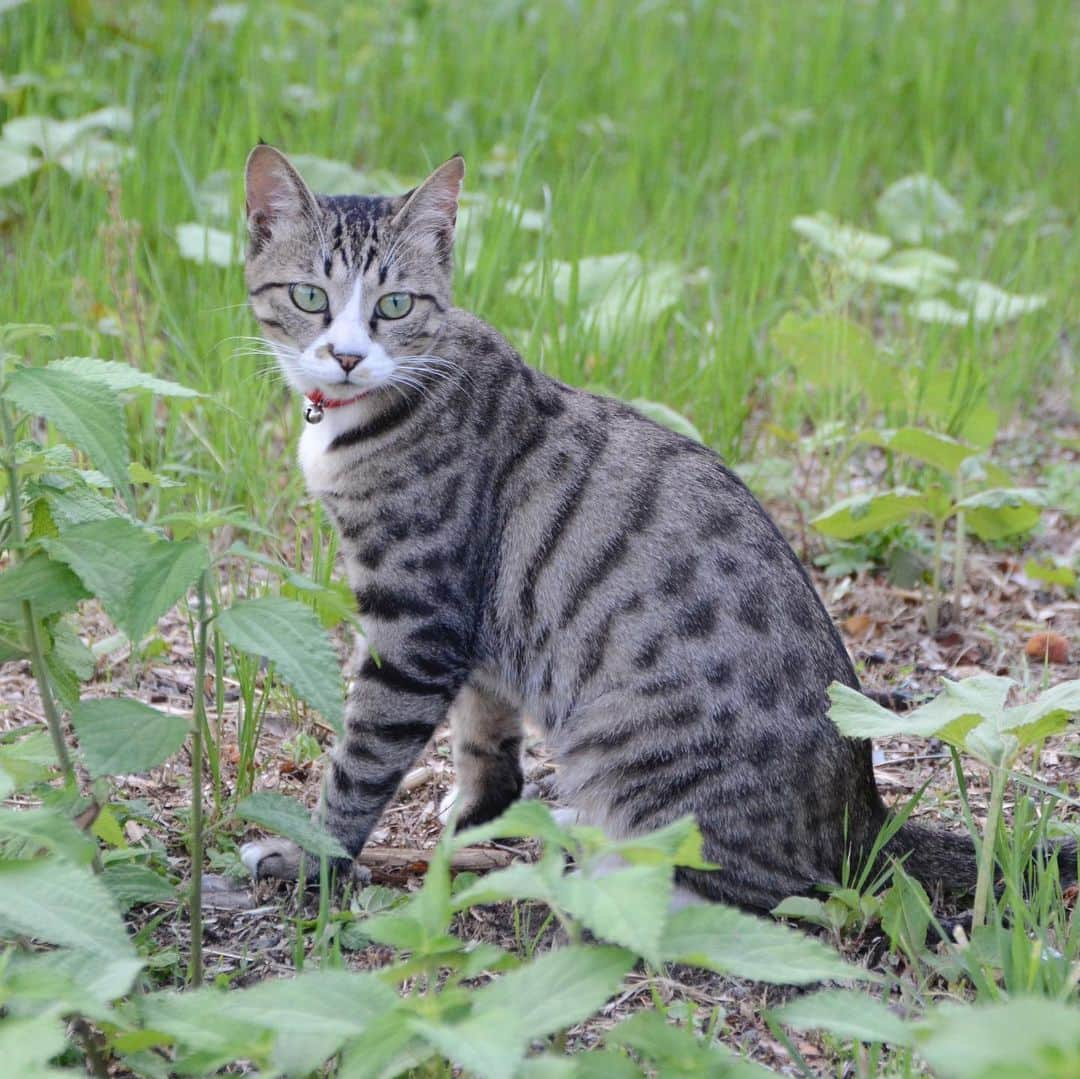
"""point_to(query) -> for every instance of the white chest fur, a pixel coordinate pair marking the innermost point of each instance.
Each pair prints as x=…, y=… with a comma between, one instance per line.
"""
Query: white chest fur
x=318, y=462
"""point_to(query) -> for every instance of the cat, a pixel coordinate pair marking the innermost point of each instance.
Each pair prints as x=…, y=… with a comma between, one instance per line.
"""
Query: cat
x=517, y=545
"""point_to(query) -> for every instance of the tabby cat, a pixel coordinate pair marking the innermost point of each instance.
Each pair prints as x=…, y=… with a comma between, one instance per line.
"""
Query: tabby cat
x=517, y=545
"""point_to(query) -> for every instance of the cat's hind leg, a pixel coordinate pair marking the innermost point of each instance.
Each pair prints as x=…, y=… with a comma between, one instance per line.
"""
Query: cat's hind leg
x=486, y=735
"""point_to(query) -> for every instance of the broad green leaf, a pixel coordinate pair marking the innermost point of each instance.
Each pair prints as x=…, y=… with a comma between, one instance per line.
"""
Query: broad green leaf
x=628, y=906
x=828, y=350
x=29, y=760
x=290, y=635
x=916, y=270
x=935, y=449
x=842, y=241
x=16, y=163
x=122, y=735
x=917, y=208
x=1002, y=511
x=804, y=909
x=594, y=1064
x=1015, y=1039
x=93, y=154
x=846, y=1014
x=667, y=417
x=50, y=585
x=286, y=817
x=949, y=715
x=48, y=829
x=547, y=995
x=54, y=900
x=79, y=981
x=389, y=1047
x=995, y=306
x=313, y=1014
x=53, y=137
x=905, y=913
x=83, y=411
x=133, y=882
x=1048, y=714
x=106, y=556
x=676, y=844
x=728, y=941
x=1050, y=572
x=120, y=376
x=202, y=243
x=860, y=514
x=28, y=1044
x=677, y=1051
x=935, y=309
x=162, y=576
x=521, y=881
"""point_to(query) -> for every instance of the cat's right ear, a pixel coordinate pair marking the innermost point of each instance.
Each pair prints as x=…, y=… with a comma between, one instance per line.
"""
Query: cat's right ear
x=275, y=192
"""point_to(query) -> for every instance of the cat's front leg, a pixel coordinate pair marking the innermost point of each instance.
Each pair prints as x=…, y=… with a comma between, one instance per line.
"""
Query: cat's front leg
x=391, y=714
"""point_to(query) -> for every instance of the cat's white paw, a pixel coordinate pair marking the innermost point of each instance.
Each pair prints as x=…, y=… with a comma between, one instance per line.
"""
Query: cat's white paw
x=446, y=806
x=277, y=858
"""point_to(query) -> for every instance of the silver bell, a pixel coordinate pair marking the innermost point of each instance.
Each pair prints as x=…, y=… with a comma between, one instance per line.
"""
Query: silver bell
x=313, y=413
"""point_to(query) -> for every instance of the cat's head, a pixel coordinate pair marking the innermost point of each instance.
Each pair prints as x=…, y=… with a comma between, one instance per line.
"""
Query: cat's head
x=349, y=291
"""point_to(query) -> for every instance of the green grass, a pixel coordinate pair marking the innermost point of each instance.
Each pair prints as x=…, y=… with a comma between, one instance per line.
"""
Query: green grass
x=689, y=132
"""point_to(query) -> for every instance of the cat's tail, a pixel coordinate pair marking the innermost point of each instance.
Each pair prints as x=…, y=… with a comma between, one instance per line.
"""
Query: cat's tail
x=943, y=860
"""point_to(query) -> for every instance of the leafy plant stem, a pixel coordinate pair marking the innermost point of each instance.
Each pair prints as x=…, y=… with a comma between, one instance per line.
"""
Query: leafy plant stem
x=959, y=553
x=998, y=778
x=195, y=966
x=37, y=654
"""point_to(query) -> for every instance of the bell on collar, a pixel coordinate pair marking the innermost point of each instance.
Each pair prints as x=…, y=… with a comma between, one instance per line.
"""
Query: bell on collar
x=313, y=413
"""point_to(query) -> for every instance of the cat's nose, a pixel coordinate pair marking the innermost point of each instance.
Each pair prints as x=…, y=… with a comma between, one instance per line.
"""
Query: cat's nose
x=347, y=360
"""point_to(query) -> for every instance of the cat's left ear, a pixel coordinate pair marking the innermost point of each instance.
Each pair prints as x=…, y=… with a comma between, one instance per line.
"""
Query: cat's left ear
x=430, y=210
x=274, y=191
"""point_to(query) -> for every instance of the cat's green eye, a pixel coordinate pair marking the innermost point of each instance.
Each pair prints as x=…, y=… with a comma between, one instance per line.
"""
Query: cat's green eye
x=309, y=298
x=394, y=305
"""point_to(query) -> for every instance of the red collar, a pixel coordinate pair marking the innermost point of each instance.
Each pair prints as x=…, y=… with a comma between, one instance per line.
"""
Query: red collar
x=320, y=401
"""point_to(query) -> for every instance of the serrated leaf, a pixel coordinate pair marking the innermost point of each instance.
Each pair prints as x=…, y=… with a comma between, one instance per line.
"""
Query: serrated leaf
x=666, y=416
x=59, y=902
x=676, y=844
x=547, y=995
x=676, y=1051
x=120, y=376
x=50, y=585
x=28, y=1044
x=289, y=635
x=860, y=514
x=162, y=577
x=846, y=1014
x=45, y=829
x=918, y=208
x=202, y=243
x=628, y=907
x=82, y=411
x=132, y=882
x=123, y=735
x=730, y=942
x=106, y=555
x=803, y=908
x=1015, y=1039
x=286, y=817
x=528, y=818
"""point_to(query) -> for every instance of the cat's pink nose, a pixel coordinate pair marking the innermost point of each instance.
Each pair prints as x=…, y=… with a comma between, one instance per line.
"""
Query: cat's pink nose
x=346, y=360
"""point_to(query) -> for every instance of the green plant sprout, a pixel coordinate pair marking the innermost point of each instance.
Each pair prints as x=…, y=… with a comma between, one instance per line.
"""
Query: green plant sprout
x=975, y=495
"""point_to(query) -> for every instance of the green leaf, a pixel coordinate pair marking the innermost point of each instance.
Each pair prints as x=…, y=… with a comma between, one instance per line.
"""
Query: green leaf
x=938, y=450
x=29, y=760
x=1048, y=714
x=860, y=514
x=949, y=715
x=50, y=585
x=1002, y=511
x=282, y=815
x=905, y=913
x=389, y=1047
x=846, y=1014
x=528, y=818
x=132, y=882
x=828, y=350
x=124, y=735
x=16, y=164
x=57, y=901
x=676, y=844
x=118, y=376
x=1016, y=1039
x=804, y=909
x=547, y=995
x=48, y=829
x=676, y=1051
x=840, y=240
x=162, y=576
x=289, y=635
x=628, y=907
x=85, y=412
x=917, y=208
x=730, y=942
x=667, y=417
x=1050, y=572
x=53, y=137
x=990, y=304
x=202, y=243
x=28, y=1044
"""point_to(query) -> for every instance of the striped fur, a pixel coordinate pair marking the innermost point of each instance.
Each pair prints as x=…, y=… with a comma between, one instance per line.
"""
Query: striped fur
x=519, y=546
